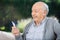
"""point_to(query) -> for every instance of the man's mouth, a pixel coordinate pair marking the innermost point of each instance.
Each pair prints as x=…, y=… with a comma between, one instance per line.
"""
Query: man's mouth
x=35, y=17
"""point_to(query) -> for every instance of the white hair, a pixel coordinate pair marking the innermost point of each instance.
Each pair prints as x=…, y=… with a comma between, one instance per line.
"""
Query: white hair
x=45, y=6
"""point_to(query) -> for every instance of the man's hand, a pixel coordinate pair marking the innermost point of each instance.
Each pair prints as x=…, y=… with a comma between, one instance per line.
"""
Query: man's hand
x=15, y=31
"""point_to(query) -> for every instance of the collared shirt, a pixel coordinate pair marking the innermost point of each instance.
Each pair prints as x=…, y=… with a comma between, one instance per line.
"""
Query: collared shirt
x=36, y=32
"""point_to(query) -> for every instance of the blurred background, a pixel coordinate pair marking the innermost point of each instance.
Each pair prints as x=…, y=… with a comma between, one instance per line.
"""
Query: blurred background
x=19, y=11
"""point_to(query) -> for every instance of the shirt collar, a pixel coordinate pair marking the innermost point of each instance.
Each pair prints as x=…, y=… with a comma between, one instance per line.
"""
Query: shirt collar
x=44, y=20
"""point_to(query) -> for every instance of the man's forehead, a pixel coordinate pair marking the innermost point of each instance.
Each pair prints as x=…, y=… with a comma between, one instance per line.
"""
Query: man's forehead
x=38, y=5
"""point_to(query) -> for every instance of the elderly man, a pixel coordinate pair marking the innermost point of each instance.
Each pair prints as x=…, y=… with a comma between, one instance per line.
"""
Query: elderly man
x=41, y=27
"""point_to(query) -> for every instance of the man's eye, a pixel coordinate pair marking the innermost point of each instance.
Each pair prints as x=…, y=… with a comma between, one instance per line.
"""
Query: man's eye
x=36, y=11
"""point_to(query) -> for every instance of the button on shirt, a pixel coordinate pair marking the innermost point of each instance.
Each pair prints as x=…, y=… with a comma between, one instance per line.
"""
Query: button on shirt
x=36, y=32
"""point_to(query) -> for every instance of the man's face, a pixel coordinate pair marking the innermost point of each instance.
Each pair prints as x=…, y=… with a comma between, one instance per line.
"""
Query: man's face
x=38, y=12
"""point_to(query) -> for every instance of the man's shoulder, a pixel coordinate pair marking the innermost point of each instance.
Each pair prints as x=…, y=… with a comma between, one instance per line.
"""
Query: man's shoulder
x=28, y=25
x=52, y=19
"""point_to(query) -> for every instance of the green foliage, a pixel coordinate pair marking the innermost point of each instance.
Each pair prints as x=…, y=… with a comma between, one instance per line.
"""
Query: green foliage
x=22, y=24
x=2, y=28
x=17, y=9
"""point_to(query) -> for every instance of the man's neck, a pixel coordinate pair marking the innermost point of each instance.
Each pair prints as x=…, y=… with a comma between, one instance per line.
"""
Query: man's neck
x=39, y=22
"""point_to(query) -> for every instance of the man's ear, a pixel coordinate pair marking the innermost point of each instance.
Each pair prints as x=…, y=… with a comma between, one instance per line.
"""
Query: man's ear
x=45, y=12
